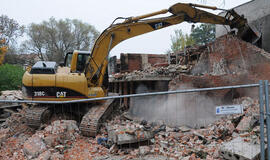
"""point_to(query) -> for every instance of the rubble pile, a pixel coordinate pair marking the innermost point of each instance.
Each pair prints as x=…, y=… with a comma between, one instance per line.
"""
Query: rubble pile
x=11, y=109
x=11, y=95
x=190, y=55
x=8, y=109
x=132, y=138
x=180, y=62
x=205, y=143
x=170, y=71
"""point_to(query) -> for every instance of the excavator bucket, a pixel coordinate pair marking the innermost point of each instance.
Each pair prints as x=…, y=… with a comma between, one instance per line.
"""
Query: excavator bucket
x=250, y=34
x=245, y=31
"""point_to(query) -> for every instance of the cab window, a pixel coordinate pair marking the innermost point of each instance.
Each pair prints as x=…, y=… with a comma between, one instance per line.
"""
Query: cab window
x=68, y=60
x=81, y=62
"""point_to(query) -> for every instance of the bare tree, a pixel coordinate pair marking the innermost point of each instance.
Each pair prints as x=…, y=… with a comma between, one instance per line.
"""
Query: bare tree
x=53, y=38
x=37, y=42
x=10, y=30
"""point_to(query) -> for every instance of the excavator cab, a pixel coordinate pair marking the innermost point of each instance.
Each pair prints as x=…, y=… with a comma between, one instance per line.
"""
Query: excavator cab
x=76, y=61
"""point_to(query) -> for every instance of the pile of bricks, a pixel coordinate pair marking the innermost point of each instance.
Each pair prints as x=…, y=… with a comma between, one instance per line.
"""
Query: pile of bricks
x=125, y=138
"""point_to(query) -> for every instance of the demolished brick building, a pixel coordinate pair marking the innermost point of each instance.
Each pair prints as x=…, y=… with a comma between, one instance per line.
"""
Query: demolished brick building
x=227, y=61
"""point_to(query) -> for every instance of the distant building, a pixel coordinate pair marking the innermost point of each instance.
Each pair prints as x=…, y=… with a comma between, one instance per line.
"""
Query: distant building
x=257, y=13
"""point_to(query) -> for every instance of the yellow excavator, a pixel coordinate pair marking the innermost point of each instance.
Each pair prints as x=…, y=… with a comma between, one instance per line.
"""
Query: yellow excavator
x=83, y=73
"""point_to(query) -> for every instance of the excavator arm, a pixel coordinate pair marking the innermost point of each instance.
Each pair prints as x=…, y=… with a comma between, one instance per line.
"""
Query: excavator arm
x=134, y=26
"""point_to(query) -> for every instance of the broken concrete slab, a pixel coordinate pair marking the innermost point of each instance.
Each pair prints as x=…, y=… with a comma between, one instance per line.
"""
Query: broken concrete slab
x=244, y=124
x=45, y=155
x=62, y=126
x=34, y=146
x=184, y=129
x=11, y=95
x=4, y=134
x=57, y=156
x=126, y=134
x=239, y=149
x=144, y=150
x=139, y=136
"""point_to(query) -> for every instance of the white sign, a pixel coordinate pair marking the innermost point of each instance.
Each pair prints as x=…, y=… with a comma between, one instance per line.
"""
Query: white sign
x=229, y=109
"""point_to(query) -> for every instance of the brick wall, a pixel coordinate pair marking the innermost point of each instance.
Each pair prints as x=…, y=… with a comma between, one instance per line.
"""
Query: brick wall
x=130, y=62
x=156, y=58
x=227, y=61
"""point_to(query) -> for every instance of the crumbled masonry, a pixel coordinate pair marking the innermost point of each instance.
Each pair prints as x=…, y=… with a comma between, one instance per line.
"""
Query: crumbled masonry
x=132, y=138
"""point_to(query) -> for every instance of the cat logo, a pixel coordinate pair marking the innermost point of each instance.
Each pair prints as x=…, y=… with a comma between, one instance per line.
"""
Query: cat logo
x=61, y=94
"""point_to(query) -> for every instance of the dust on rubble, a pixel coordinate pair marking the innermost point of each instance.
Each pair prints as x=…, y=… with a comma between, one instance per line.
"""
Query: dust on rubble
x=227, y=61
x=127, y=137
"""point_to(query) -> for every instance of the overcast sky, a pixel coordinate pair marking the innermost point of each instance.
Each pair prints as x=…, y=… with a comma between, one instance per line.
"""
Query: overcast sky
x=101, y=13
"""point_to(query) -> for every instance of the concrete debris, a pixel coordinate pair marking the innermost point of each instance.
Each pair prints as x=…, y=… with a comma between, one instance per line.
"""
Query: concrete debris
x=11, y=95
x=244, y=124
x=144, y=150
x=240, y=148
x=4, y=134
x=123, y=138
x=8, y=109
x=57, y=156
x=184, y=129
x=128, y=133
x=33, y=147
x=150, y=72
x=45, y=155
x=62, y=127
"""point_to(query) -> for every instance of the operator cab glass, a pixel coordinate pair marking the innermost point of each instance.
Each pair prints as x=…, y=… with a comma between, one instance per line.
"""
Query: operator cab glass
x=68, y=59
x=82, y=59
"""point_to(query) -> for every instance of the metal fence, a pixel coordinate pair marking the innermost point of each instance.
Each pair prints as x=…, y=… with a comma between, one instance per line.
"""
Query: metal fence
x=185, y=122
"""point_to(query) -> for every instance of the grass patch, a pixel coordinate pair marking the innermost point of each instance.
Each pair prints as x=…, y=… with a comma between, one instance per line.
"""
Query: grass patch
x=10, y=77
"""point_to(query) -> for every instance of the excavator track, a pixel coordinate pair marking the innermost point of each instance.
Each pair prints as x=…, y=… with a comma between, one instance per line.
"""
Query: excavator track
x=92, y=120
x=37, y=115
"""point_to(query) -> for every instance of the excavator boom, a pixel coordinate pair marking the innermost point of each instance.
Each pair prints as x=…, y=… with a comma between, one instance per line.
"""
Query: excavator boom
x=134, y=26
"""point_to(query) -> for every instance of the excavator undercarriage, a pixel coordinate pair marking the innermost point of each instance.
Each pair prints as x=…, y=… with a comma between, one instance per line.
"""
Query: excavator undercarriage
x=89, y=115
